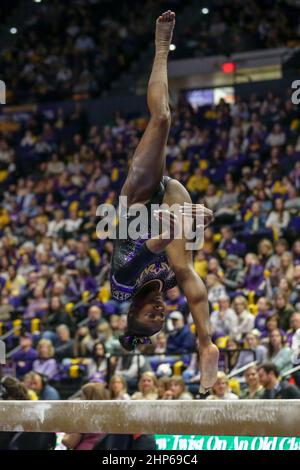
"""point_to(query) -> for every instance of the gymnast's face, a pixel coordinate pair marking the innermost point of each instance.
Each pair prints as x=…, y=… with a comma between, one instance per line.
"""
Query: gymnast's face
x=152, y=314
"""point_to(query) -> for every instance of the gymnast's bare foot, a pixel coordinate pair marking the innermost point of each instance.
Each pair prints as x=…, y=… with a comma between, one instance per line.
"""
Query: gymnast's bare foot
x=164, y=30
x=209, y=358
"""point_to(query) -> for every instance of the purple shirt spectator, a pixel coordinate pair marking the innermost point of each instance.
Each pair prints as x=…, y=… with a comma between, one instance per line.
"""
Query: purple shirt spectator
x=254, y=277
x=47, y=367
x=24, y=361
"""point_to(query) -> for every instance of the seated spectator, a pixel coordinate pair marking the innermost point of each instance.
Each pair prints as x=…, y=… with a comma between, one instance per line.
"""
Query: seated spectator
x=64, y=343
x=280, y=246
x=215, y=288
x=105, y=334
x=209, y=242
x=277, y=137
x=296, y=250
x=118, y=388
x=268, y=375
x=223, y=320
x=25, y=266
x=57, y=316
x=85, y=283
x=229, y=245
x=163, y=388
x=245, y=318
x=72, y=224
x=38, y=305
x=211, y=198
x=253, y=273
x=264, y=311
x=25, y=356
x=295, y=347
x=45, y=363
x=57, y=225
x=95, y=319
x=98, y=363
x=257, y=221
x=233, y=278
x=286, y=266
x=279, y=218
x=283, y=309
x=176, y=301
x=83, y=342
x=147, y=387
x=38, y=383
x=60, y=249
x=214, y=267
x=13, y=281
x=221, y=391
x=6, y=307
x=178, y=389
x=295, y=294
x=114, y=324
x=265, y=251
x=86, y=441
x=129, y=365
x=180, y=339
x=232, y=354
x=254, y=389
x=278, y=353
x=160, y=343
x=12, y=389
x=295, y=325
x=55, y=166
x=272, y=323
x=252, y=342
x=293, y=202
x=284, y=286
x=227, y=204
x=122, y=323
x=197, y=184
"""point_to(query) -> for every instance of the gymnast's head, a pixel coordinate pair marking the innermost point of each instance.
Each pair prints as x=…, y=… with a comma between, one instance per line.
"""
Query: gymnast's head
x=145, y=318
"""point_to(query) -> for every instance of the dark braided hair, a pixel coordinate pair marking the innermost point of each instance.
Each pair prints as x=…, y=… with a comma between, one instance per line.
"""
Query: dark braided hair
x=130, y=342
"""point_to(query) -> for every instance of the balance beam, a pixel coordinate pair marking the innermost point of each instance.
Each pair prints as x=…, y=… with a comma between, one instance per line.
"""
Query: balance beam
x=210, y=417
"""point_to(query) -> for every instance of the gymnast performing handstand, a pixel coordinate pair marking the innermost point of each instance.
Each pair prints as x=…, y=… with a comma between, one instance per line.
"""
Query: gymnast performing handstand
x=143, y=269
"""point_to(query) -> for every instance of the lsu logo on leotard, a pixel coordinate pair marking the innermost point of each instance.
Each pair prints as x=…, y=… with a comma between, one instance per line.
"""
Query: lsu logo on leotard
x=153, y=271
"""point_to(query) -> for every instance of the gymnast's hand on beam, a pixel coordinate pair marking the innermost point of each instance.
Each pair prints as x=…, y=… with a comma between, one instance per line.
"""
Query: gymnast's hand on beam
x=169, y=228
x=199, y=212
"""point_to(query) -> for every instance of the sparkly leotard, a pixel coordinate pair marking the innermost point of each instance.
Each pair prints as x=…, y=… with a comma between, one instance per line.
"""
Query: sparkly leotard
x=133, y=264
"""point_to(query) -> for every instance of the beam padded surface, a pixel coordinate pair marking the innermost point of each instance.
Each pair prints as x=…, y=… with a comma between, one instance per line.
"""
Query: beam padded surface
x=211, y=417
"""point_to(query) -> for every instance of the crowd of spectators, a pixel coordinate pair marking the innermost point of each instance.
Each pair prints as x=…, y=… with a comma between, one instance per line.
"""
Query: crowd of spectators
x=230, y=26
x=242, y=161
x=76, y=49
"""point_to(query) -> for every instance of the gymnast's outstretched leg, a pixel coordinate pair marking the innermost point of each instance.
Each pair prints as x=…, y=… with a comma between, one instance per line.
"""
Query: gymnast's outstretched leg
x=148, y=162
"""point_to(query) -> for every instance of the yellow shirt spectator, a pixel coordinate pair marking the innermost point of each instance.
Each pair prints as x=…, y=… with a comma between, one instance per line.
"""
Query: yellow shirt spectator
x=198, y=182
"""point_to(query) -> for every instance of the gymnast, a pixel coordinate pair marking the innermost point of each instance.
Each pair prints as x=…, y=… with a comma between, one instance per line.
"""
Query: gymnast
x=142, y=270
